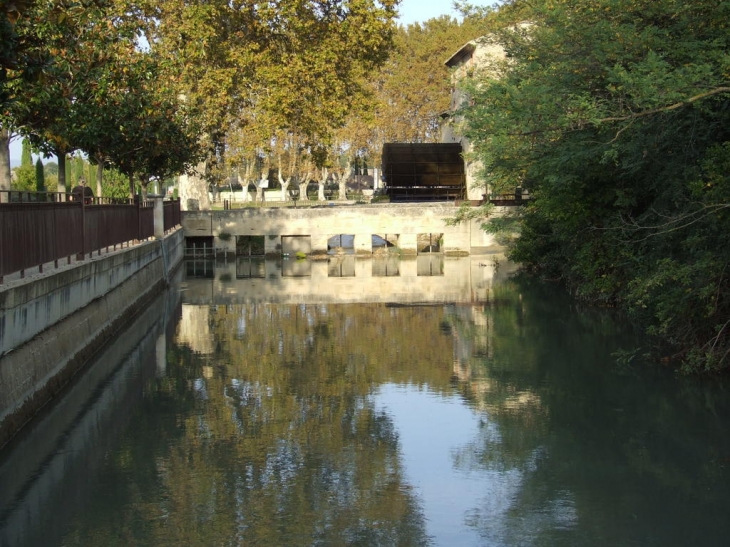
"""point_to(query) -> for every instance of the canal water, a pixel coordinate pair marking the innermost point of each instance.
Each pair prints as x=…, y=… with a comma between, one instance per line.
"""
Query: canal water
x=382, y=402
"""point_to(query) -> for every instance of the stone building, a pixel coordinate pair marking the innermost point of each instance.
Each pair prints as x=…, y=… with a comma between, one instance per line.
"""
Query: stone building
x=476, y=55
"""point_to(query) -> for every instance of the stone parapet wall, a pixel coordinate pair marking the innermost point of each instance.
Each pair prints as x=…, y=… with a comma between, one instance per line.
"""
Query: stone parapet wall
x=51, y=324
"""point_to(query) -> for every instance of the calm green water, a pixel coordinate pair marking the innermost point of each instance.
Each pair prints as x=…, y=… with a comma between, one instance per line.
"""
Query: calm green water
x=446, y=404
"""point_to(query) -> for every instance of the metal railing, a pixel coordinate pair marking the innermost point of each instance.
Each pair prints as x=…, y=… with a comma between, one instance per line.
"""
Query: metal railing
x=45, y=227
x=173, y=215
x=509, y=200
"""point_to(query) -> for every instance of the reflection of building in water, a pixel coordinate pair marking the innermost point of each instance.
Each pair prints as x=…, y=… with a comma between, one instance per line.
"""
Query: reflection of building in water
x=194, y=329
x=386, y=266
x=341, y=266
x=247, y=267
x=429, y=265
x=474, y=350
x=427, y=278
x=473, y=332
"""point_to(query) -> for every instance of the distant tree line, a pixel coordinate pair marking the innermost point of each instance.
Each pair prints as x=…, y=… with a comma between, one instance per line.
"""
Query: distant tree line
x=43, y=177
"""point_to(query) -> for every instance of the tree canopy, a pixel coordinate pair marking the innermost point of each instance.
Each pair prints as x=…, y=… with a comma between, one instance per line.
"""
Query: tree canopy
x=614, y=114
x=92, y=76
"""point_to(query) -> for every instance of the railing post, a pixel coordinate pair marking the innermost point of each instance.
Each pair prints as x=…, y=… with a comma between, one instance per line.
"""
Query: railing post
x=138, y=202
x=82, y=256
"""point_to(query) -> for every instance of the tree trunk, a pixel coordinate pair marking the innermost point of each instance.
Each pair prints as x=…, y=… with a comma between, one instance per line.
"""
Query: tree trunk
x=131, y=186
x=320, y=185
x=303, y=187
x=342, y=181
x=243, y=181
x=143, y=182
x=284, y=186
x=5, y=176
x=342, y=187
x=194, y=190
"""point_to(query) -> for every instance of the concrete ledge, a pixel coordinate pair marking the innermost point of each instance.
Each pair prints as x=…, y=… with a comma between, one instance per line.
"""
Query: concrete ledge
x=32, y=306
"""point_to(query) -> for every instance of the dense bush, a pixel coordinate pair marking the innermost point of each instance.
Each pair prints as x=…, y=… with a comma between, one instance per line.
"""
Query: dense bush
x=615, y=115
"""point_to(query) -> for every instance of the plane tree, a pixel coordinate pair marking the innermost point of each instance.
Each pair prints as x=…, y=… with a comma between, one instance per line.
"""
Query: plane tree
x=292, y=66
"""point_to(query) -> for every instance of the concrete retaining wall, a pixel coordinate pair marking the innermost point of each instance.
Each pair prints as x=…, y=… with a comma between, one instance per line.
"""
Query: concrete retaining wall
x=51, y=324
x=67, y=443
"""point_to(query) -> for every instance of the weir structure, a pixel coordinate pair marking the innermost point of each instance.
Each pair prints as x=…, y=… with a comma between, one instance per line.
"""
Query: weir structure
x=409, y=229
x=51, y=322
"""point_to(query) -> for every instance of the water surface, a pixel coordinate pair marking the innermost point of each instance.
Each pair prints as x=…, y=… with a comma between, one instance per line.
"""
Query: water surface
x=448, y=405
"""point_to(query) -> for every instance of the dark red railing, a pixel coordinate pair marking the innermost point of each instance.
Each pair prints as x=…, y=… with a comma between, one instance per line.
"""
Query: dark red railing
x=173, y=216
x=38, y=228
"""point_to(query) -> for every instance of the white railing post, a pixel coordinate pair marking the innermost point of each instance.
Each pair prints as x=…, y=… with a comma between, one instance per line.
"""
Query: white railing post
x=159, y=216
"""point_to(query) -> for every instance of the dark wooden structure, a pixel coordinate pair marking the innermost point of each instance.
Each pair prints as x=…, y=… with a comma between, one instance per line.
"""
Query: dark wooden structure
x=424, y=172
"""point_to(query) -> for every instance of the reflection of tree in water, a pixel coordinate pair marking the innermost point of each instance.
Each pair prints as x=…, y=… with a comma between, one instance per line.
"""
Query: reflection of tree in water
x=585, y=451
x=262, y=431
x=271, y=437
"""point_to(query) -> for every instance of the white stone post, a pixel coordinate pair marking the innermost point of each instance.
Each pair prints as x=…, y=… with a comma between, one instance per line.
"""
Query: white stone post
x=408, y=243
x=159, y=216
x=319, y=243
x=363, y=244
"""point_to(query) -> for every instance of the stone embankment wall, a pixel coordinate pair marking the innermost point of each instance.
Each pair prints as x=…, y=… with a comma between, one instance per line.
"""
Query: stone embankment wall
x=65, y=445
x=51, y=324
x=317, y=224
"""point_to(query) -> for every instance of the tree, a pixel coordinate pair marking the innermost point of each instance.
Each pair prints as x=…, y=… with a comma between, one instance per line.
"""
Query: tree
x=92, y=86
x=614, y=115
x=413, y=87
x=43, y=108
x=20, y=60
x=26, y=158
x=25, y=174
x=40, y=179
x=286, y=66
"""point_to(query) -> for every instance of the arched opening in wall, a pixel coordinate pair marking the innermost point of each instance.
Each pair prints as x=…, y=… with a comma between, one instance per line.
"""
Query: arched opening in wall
x=341, y=244
x=429, y=243
x=341, y=266
x=383, y=243
x=248, y=267
x=430, y=265
x=250, y=246
x=386, y=266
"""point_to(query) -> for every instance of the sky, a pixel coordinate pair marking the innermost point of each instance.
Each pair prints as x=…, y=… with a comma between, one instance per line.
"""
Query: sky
x=411, y=11
x=417, y=11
